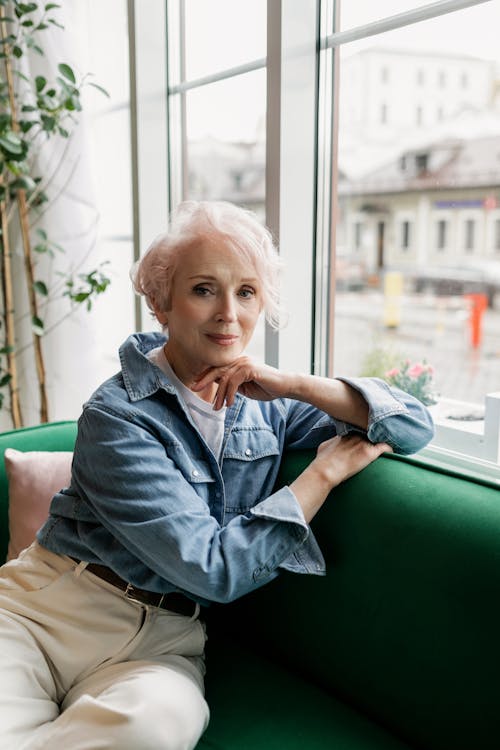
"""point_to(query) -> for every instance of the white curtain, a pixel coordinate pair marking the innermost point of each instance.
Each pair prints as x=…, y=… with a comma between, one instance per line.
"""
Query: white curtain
x=89, y=215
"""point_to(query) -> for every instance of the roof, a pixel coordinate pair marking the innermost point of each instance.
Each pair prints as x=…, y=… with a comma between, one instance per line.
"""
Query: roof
x=448, y=163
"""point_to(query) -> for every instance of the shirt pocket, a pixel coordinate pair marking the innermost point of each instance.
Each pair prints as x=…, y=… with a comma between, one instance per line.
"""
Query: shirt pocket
x=251, y=462
x=196, y=471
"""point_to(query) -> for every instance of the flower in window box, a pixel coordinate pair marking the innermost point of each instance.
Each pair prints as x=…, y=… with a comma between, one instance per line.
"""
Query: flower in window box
x=415, y=379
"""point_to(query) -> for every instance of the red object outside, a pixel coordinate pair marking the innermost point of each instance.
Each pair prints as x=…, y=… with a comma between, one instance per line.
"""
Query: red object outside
x=478, y=304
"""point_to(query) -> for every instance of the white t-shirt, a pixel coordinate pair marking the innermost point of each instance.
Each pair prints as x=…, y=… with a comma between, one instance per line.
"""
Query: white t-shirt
x=209, y=422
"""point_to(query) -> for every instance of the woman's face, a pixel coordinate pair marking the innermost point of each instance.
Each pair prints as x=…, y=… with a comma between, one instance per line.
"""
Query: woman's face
x=215, y=302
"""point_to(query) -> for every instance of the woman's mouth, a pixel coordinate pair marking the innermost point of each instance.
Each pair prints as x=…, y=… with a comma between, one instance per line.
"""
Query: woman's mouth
x=222, y=339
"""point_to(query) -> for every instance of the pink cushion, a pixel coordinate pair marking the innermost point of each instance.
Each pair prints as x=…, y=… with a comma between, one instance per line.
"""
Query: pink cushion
x=34, y=478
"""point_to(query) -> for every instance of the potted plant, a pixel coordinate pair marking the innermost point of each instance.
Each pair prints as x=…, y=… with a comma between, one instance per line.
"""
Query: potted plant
x=34, y=111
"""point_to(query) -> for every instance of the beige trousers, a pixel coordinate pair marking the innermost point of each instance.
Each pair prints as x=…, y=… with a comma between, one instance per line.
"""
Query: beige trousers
x=83, y=668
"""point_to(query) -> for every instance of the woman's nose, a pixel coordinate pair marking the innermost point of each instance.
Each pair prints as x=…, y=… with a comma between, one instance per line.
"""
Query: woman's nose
x=227, y=309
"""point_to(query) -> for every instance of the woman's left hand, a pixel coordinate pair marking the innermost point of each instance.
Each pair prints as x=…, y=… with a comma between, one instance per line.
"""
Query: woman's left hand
x=251, y=379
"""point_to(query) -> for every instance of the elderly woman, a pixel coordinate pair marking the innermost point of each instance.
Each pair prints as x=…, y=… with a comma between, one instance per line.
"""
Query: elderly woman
x=172, y=502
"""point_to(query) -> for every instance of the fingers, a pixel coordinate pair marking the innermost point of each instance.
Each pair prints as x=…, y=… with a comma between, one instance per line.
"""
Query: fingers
x=208, y=376
x=228, y=378
x=342, y=457
x=226, y=392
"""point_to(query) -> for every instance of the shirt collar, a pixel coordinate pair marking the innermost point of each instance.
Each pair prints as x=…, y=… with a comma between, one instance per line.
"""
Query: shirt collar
x=141, y=377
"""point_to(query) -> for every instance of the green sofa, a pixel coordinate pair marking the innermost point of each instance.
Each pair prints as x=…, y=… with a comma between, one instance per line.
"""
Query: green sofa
x=397, y=647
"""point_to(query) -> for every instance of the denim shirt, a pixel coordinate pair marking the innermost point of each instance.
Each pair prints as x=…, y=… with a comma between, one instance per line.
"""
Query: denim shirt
x=150, y=500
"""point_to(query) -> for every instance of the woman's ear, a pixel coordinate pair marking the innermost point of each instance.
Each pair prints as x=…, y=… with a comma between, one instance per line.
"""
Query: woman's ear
x=161, y=316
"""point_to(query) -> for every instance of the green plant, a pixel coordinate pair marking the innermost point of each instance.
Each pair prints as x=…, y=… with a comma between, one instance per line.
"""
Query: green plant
x=377, y=361
x=416, y=379
x=32, y=112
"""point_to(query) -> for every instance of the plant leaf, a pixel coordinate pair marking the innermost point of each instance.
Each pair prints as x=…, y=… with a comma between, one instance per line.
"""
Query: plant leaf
x=40, y=83
x=100, y=88
x=67, y=72
x=37, y=326
x=24, y=182
x=11, y=144
x=48, y=123
x=28, y=7
x=41, y=288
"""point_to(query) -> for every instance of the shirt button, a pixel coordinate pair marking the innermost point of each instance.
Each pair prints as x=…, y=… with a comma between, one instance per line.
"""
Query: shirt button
x=248, y=452
x=217, y=495
x=195, y=473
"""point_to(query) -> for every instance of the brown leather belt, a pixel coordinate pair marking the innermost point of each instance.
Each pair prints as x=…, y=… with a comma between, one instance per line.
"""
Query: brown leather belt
x=174, y=601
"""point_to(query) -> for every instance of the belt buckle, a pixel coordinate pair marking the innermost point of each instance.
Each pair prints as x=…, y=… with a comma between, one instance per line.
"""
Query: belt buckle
x=128, y=594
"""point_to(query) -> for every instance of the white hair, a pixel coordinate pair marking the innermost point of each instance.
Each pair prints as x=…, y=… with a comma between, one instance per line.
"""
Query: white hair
x=200, y=220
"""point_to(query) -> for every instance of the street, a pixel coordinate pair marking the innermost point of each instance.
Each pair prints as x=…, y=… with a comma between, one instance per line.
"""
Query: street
x=432, y=328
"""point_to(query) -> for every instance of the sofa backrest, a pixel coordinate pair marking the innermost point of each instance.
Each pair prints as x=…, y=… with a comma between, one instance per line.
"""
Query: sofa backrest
x=406, y=623
x=56, y=436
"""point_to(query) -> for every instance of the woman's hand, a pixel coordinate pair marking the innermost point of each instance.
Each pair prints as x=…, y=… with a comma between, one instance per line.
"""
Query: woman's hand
x=337, y=459
x=342, y=457
x=251, y=379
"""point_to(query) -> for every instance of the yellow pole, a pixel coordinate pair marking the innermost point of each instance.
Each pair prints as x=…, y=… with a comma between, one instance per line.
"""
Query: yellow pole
x=393, y=291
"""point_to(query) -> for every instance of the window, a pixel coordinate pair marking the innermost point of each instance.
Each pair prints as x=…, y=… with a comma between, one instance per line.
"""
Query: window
x=450, y=189
x=405, y=235
x=441, y=234
x=358, y=235
x=250, y=122
x=218, y=152
x=470, y=229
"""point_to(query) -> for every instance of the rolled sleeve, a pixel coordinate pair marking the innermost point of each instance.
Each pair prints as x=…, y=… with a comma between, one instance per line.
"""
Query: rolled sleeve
x=394, y=416
x=283, y=506
x=307, y=558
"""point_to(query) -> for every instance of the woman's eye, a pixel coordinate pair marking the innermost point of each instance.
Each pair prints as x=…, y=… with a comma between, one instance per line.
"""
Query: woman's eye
x=201, y=291
x=247, y=293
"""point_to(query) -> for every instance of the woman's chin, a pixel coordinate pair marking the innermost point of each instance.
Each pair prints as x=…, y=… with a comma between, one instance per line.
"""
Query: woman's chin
x=224, y=358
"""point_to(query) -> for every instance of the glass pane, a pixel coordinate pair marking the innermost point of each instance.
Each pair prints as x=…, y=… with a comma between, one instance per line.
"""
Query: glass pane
x=418, y=249
x=358, y=12
x=223, y=33
x=226, y=148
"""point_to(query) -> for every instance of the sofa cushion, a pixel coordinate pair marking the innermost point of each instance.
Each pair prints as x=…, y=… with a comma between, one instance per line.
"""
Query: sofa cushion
x=257, y=705
x=56, y=436
x=34, y=477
